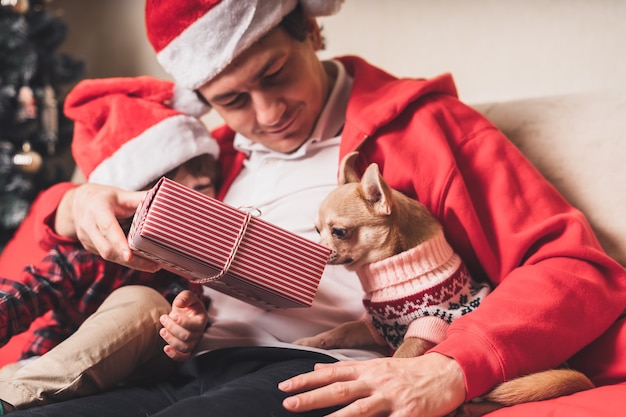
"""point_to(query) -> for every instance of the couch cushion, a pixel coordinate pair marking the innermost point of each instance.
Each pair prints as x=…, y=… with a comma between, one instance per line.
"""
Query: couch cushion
x=579, y=143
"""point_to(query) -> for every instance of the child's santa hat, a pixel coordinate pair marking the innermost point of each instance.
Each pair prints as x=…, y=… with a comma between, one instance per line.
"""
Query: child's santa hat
x=196, y=39
x=127, y=132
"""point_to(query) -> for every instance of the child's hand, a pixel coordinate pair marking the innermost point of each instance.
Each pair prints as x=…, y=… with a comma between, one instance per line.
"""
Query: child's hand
x=184, y=326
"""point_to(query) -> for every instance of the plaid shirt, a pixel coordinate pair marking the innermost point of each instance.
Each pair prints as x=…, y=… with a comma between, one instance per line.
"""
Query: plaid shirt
x=72, y=283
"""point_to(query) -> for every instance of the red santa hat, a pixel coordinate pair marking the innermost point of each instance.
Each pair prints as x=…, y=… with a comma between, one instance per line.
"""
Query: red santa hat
x=128, y=133
x=196, y=39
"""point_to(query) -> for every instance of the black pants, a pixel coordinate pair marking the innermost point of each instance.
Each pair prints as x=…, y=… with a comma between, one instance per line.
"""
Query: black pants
x=236, y=382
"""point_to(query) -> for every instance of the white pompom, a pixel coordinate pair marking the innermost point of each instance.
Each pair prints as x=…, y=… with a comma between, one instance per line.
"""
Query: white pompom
x=317, y=8
x=187, y=101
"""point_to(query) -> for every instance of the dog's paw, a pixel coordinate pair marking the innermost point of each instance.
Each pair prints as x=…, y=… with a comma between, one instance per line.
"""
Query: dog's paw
x=348, y=335
x=319, y=341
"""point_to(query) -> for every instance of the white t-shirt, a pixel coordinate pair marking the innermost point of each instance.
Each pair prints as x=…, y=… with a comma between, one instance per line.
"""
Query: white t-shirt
x=287, y=190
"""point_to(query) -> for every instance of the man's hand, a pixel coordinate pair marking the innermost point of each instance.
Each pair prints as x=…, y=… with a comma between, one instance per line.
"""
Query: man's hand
x=91, y=213
x=184, y=326
x=431, y=385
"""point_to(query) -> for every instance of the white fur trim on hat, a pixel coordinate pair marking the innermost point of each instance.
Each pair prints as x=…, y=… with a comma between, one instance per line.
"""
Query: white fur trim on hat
x=188, y=102
x=156, y=151
x=210, y=43
x=207, y=45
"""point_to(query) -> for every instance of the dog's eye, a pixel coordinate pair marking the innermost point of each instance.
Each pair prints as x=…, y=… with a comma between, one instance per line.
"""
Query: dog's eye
x=339, y=233
x=317, y=230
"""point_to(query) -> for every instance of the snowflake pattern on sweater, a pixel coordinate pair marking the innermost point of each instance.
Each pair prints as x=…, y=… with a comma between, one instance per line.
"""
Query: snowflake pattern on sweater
x=418, y=293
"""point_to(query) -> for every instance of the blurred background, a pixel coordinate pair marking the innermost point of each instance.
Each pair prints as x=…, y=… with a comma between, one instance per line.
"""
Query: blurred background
x=496, y=49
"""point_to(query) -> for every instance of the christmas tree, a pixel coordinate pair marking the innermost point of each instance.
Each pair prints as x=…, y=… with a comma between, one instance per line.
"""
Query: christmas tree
x=34, y=136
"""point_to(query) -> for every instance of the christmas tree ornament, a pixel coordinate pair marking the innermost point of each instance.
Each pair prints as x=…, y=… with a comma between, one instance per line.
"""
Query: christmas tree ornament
x=27, y=107
x=35, y=136
x=15, y=6
x=50, y=119
x=27, y=160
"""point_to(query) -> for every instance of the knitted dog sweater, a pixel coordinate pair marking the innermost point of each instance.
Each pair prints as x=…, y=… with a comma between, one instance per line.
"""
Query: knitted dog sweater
x=418, y=293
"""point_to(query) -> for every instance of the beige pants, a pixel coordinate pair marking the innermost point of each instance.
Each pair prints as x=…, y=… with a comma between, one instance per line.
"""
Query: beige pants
x=119, y=342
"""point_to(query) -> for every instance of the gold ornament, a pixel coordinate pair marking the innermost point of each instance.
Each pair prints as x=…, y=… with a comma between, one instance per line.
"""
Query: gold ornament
x=27, y=160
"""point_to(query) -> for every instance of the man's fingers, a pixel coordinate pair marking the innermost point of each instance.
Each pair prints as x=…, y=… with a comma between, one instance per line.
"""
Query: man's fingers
x=129, y=201
x=114, y=248
x=332, y=385
x=322, y=375
x=337, y=393
x=363, y=407
x=142, y=264
x=92, y=213
x=105, y=238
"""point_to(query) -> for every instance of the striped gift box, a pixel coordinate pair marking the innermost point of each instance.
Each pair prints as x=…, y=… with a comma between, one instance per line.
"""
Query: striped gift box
x=230, y=250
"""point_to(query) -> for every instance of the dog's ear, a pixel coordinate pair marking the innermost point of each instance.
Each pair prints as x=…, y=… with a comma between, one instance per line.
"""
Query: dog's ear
x=377, y=192
x=347, y=171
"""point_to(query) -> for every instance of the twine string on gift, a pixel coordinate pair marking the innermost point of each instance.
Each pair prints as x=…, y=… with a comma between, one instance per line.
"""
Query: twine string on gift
x=249, y=211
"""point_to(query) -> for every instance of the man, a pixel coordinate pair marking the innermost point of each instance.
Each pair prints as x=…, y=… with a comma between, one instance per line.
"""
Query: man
x=294, y=118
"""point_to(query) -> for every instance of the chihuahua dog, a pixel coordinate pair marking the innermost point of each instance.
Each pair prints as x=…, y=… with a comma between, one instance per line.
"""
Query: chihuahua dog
x=414, y=283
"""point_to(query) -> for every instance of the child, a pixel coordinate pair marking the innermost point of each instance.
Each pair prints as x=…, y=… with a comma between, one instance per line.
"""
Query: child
x=73, y=282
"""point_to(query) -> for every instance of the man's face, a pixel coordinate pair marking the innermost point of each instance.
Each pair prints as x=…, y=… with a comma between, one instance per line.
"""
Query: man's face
x=273, y=93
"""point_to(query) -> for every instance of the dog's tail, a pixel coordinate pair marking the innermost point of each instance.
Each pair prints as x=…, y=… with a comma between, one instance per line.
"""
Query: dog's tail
x=534, y=387
x=539, y=386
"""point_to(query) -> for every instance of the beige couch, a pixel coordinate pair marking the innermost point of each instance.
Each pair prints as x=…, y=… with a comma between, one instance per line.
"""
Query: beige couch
x=579, y=143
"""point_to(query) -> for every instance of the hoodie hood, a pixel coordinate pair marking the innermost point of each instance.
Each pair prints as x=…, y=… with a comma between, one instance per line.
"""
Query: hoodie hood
x=379, y=97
